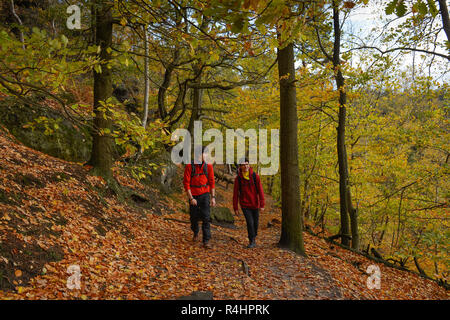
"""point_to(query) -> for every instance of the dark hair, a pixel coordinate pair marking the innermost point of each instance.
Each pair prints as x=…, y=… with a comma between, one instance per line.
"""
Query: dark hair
x=245, y=159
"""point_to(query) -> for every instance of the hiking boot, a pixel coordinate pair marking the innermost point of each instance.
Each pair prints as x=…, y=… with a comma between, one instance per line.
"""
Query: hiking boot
x=252, y=244
x=195, y=238
x=206, y=245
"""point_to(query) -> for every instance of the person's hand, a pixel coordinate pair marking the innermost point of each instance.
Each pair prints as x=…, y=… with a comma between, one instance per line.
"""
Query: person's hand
x=236, y=212
x=262, y=209
x=213, y=202
x=193, y=202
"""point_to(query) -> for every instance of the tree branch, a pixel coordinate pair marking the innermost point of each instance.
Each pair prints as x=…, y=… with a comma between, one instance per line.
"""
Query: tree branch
x=400, y=49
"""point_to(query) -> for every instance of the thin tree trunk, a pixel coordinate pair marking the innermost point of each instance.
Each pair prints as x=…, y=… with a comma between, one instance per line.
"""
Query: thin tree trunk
x=291, y=227
x=146, y=79
x=13, y=11
x=270, y=190
x=395, y=244
x=419, y=268
x=380, y=240
x=346, y=208
x=102, y=144
x=305, y=206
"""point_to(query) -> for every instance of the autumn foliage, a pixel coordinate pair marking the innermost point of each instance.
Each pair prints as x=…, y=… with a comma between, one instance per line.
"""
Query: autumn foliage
x=53, y=212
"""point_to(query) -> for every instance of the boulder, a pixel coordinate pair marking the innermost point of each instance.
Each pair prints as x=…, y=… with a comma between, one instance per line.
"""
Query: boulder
x=166, y=176
x=222, y=215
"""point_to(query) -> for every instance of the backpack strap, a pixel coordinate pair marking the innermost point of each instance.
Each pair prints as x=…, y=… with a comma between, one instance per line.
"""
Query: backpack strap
x=205, y=172
x=239, y=183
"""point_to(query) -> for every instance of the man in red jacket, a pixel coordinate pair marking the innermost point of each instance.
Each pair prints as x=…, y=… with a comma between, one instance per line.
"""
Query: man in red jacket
x=248, y=189
x=199, y=185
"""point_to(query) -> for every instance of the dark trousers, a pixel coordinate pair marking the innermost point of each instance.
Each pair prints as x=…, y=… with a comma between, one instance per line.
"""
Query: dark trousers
x=201, y=212
x=252, y=219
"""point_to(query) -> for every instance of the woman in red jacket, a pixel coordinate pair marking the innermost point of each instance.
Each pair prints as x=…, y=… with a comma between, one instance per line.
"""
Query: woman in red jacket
x=248, y=189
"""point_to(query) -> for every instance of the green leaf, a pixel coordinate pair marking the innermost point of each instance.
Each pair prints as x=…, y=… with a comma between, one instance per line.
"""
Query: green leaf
x=432, y=8
x=391, y=7
x=98, y=68
x=238, y=24
x=400, y=10
x=422, y=7
x=64, y=40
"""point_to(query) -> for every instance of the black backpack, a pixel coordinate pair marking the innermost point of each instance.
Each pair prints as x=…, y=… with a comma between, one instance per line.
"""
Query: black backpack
x=194, y=173
x=254, y=182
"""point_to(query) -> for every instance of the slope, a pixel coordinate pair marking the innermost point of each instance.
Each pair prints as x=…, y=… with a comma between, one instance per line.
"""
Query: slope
x=54, y=215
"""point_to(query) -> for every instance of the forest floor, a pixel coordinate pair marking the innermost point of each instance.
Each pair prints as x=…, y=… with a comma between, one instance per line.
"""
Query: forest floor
x=53, y=214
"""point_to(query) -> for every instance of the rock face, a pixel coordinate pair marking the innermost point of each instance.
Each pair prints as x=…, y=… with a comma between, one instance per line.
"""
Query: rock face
x=65, y=142
x=167, y=176
x=222, y=215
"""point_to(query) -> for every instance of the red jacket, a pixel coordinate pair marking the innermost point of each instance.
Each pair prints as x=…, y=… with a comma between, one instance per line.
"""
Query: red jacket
x=199, y=180
x=252, y=196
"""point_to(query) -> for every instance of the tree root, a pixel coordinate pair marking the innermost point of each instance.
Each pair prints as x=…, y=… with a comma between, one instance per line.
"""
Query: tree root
x=385, y=262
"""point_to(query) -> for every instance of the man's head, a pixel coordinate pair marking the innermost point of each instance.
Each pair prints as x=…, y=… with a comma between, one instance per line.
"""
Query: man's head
x=201, y=154
x=204, y=153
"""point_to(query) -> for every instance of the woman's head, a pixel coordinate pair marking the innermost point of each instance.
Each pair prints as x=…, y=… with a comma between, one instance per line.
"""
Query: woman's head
x=244, y=164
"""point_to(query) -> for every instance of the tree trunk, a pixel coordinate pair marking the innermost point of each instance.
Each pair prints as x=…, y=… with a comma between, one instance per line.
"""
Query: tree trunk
x=291, y=227
x=146, y=79
x=197, y=92
x=13, y=11
x=419, y=268
x=445, y=17
x=346, y=207
x=102, y=144
x=165, y=85
x=196, y=101
x=270, y=189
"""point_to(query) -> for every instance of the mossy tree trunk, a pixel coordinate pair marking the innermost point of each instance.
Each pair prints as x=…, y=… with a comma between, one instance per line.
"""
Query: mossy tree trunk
x=103, y=144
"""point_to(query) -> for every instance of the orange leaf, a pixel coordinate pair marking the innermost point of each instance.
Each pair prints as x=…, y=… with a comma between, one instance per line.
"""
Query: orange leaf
x=349, y=4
